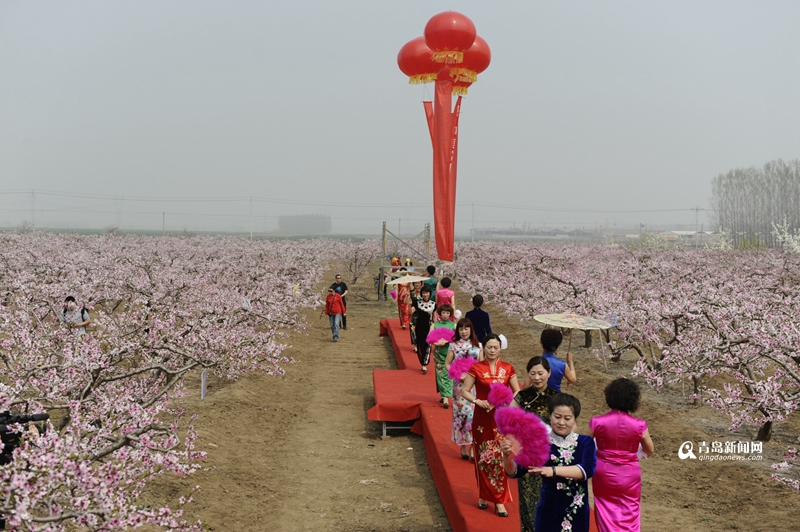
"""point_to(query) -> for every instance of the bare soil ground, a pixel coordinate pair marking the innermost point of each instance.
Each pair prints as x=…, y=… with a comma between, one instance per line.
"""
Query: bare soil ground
x=298, y=453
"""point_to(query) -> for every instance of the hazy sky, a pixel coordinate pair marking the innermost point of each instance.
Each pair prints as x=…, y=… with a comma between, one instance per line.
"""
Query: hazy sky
x=615, y=106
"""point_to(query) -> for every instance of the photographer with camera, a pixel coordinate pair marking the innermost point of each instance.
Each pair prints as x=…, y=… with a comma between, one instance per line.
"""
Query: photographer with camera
x=75, y=318
x=11, y=439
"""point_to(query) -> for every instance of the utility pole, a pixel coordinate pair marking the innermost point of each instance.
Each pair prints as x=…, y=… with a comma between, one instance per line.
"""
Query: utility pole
x=33, y=211
x=428, y=240
x=696, y=215
x=163, y=223
x=381, y=279
x=251, y=217
x=473, y=221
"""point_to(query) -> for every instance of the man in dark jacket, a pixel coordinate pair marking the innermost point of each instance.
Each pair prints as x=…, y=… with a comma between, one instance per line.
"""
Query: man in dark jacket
x=479, y=318
x=341, y=288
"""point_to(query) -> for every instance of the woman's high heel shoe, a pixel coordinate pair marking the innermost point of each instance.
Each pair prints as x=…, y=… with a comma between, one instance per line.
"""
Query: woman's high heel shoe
x=500, y=514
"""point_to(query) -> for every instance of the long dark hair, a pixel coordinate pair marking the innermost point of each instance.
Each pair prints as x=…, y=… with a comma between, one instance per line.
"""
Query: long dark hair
x=473, y=338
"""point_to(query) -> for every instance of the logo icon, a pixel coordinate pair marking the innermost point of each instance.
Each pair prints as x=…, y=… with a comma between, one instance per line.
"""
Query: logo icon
x=685, y=451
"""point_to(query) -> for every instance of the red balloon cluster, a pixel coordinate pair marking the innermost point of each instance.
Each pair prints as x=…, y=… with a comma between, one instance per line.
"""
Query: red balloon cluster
x=450, y=41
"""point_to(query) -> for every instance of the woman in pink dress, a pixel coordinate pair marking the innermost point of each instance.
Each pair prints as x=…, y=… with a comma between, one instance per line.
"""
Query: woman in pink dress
x=617, y=482
x=445, y=296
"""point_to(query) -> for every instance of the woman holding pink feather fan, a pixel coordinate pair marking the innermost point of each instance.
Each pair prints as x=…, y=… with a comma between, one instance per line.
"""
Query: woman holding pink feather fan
x=463, y=353
x=535, y=398
x=439, y=348
x=492, y=481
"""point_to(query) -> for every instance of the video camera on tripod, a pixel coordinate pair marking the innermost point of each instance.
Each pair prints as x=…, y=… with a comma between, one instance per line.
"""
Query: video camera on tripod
x=10, y=437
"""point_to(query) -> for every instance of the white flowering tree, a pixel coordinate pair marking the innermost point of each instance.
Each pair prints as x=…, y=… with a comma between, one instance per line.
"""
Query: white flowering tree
x=160, y=308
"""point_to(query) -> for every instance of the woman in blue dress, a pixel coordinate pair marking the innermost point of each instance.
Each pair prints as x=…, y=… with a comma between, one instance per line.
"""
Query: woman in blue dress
x=564, y=503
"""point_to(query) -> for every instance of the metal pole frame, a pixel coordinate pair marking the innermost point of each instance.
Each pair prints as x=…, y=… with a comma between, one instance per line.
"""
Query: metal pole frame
x=383, y=265
x=425, y=233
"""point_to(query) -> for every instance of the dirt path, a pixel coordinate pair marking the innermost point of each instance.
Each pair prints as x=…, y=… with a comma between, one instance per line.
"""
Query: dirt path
x=298, y=453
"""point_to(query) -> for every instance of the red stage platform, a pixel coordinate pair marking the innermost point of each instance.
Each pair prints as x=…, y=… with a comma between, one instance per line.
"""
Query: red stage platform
x=399, y=393
x=407, y=395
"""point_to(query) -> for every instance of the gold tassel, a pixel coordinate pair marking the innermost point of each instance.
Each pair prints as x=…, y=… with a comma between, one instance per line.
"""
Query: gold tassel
x=460, y=91
x=420, y=79
x=448, y=56
x=463, y=74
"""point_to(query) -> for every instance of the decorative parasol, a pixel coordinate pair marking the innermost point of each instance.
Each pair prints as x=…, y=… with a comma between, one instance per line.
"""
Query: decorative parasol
x=400, y=273
x=574, y=321
x=407, y=279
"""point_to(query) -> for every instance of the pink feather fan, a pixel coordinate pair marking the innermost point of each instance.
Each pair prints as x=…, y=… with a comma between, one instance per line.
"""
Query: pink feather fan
x=500, y=395
x=527, y=433
x=442, y=333
x=393, y=293
x=460, y=367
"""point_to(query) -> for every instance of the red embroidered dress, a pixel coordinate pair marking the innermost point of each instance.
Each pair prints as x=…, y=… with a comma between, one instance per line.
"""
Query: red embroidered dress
x=492, y=480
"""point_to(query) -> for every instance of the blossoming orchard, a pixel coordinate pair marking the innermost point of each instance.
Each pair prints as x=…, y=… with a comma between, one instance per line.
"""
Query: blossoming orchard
x=161, y=308
x=725, y=322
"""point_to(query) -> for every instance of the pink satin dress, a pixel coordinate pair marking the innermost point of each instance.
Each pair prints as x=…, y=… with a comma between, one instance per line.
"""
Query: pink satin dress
x=617, y=481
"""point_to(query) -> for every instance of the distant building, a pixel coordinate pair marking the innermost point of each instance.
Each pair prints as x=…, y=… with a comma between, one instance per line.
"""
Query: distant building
x=310, y=224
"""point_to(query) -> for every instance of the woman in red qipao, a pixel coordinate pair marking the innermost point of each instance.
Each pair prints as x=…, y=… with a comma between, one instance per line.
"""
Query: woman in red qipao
x=403, y=302
x=492, y=481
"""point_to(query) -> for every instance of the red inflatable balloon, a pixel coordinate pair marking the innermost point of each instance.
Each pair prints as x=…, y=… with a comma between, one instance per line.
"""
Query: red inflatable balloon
x=414, y=60
x=476, y=60
x=449, y=35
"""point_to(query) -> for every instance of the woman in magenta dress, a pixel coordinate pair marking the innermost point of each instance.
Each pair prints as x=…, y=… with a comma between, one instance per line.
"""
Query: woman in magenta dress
x=492, y=480
x=617, y=483
x=445, y=296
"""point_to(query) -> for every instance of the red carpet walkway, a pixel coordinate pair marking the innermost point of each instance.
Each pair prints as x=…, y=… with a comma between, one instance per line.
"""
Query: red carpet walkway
x=407, y=395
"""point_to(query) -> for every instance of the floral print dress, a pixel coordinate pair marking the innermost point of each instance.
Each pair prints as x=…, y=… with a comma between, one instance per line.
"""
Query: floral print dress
x=492, y=479
x=564, y=506
x=462, y=409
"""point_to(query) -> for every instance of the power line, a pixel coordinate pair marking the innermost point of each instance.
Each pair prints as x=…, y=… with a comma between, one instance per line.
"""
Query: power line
x=215, y=200
x=607, y=211
x=338, y=204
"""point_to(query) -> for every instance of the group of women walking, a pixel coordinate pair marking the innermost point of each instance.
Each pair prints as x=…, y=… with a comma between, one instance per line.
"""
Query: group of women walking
x=554, y=497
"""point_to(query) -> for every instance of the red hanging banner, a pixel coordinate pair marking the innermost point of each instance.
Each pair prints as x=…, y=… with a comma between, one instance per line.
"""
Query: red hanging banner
x=443, y=185
x=444, y=175
x=429, y=116
x=454, y=159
